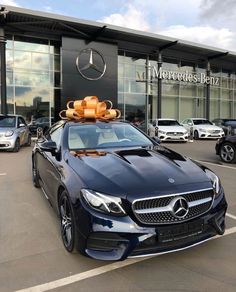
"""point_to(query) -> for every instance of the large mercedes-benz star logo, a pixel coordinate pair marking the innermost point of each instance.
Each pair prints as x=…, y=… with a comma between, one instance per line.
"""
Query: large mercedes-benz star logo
x=91, y=64
x=180, y=207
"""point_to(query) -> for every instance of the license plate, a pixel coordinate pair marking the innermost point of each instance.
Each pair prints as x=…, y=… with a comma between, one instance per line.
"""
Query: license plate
x=180, y=231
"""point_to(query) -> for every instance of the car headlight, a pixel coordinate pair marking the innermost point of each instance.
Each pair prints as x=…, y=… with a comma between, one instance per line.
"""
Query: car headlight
x=162, y=132
x=9, y=133
x=215, y=181
x=202, y=130
x=103, y=203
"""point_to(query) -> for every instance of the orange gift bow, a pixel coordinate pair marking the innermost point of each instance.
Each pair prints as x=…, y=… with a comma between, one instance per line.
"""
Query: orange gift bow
x=89, y=108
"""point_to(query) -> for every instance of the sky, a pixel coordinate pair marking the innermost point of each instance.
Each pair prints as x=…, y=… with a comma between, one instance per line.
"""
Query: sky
x=209, y=22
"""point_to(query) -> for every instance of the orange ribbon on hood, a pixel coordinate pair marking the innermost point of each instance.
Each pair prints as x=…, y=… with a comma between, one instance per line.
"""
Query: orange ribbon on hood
x=89, y=108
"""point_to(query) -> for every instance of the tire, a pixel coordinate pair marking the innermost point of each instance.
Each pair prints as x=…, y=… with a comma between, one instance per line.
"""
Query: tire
x=67, y=224
x=17, y=145
x=35, y=176
x=228, y=153
x=196, y=135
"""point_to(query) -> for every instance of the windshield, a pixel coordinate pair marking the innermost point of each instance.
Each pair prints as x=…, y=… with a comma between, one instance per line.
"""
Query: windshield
x=7, y=122
x=202, y=122
x=230, y=123
x=105, y=135
x=168, y=123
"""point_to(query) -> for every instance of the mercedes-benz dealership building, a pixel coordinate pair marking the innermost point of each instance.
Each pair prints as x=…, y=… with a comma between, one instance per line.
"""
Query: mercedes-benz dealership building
x=48, y=59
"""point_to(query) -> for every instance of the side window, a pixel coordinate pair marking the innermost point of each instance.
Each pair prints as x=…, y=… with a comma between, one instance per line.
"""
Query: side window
x=20, y=121
x=56, y=135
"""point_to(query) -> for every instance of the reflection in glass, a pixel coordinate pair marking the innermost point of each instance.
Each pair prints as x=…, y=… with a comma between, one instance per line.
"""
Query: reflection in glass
x=215, y=92
x=32, y=102
x=40, y=61
x=10, y=99
x=9, y=77
x=170, y=89
x=30, y=46
x=227, y=94
x=226, y=109
x=214, y=109
x=188, y=90
x=169, y=107
x=9, y=59
x=22, y=60
x=134, y=106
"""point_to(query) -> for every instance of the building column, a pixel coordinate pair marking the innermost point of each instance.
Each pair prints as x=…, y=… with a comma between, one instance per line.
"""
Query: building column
x=147, y=90
x=159, y=86
x=208, y=91
x=3, y=71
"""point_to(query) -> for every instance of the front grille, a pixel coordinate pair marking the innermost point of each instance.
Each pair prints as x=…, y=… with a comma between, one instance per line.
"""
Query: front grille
x=214, y=131
x=174, y=133
x=199, y=202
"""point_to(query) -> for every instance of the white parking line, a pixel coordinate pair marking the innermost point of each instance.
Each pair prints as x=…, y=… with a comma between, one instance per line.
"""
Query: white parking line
x=2, y=174
x=231, y=216
x=215, y=164
x=97, y=271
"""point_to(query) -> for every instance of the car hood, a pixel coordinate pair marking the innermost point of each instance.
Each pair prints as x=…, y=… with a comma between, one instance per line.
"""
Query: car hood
x=172, y=128
x=134, y=173
x=208, y=127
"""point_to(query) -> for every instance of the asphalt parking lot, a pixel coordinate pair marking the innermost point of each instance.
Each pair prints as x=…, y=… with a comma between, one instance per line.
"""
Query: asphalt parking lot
x=32, y=256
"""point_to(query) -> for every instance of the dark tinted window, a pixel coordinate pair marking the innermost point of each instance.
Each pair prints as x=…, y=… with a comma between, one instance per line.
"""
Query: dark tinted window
x=230, y=123
x=202, y=122
x=168, y=123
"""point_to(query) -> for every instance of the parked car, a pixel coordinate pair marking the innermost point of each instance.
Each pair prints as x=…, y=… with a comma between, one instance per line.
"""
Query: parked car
x=118, y=193
x=202, y=128
x=170, y=130
x=228, y=125
x=13, y=133
x=152, y=131
x=226, y=148
x=42, y=123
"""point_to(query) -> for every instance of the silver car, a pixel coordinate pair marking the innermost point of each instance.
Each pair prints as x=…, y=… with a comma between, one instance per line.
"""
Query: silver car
x=13, y=133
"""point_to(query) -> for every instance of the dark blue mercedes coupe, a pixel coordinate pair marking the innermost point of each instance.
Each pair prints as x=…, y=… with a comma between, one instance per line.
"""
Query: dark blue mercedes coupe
x=119, y=193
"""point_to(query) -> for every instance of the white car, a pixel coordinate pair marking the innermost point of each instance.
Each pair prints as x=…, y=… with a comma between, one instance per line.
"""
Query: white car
x=202, y=128
x=170, y=130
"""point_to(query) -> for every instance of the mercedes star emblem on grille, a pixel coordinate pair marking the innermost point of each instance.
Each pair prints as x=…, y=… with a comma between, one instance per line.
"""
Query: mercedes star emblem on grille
x=90, y=64
x=180, y=207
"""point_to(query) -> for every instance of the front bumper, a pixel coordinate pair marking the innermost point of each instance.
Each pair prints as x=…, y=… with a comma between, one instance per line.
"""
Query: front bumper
x=7, y=143
x=211, y=135
x=116, y=238
x=173, y=137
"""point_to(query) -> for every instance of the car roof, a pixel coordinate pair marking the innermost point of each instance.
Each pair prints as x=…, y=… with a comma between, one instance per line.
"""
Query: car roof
x=162, y=119
x=91, y=122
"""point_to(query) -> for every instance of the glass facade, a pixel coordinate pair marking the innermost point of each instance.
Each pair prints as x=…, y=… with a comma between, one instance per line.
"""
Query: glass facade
x=34, y=81
x=137, y=90
x=33, y=76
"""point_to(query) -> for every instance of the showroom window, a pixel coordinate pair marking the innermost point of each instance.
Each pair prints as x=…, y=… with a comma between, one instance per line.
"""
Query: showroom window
x=33, y=76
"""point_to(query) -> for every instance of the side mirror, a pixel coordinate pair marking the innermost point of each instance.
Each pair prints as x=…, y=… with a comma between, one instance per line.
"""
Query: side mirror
x=156, y=140
x=49, y=146
x=190, y=124
x=21, y=125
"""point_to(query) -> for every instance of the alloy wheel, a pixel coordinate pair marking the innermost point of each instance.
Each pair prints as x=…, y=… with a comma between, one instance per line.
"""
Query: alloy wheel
x=66, y=222
x=227, y=153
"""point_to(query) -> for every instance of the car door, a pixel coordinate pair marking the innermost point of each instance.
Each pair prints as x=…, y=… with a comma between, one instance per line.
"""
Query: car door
x=50, y=165
x=22, y=130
